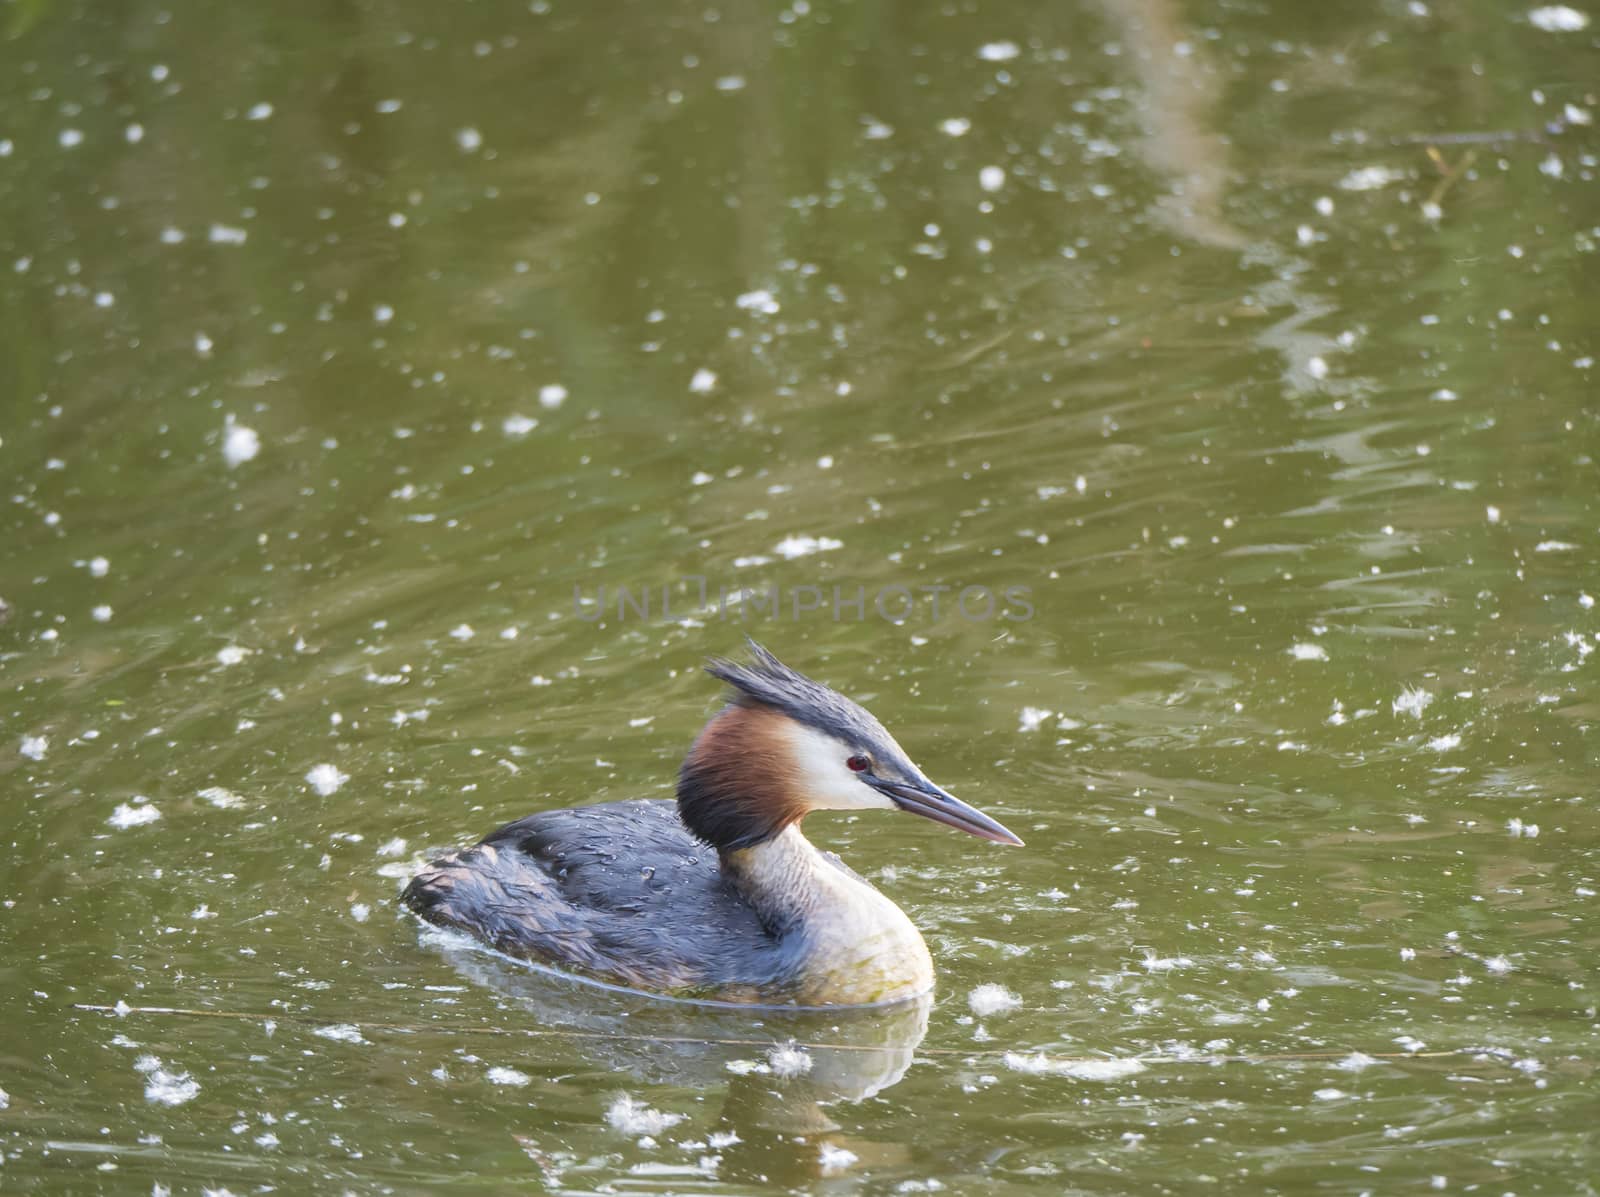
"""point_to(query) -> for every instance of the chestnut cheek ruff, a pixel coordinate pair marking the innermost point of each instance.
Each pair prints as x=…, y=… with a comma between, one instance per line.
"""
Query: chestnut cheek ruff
x=736, y=788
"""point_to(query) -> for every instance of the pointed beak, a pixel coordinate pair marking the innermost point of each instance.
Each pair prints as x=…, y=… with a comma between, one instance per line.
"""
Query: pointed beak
x=928, y=800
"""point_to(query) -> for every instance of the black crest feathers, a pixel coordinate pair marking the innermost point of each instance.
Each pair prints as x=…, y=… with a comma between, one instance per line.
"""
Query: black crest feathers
x=768, y=682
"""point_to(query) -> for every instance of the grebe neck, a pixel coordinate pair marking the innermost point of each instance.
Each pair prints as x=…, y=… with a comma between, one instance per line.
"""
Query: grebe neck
x=851, y=943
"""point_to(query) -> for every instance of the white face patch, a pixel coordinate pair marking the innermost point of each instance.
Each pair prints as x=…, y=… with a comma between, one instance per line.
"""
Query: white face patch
x=825, y=781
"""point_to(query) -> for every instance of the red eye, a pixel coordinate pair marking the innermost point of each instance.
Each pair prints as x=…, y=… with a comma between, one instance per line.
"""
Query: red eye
x=858, y=764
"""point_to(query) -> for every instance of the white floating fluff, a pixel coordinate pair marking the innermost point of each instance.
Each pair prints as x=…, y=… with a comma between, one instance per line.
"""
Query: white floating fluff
x=1083, y=1070
x=1030, y=718
x=340, y=1032
x=220, y=798
x=99, y=567
x=239, y=444
x=326, y=779
x=1308, y=652
x=1413, y=701
x=1445, y=743
x=992, y=178
x=126, y=816
x=518, y=425
x=998, y=51
x=231, y=654
x=469, y=140
x=992, y=999
x=703, y=382
x=1369, y=178
x=162, y=1087
x=956, y=126
x=552, y=395
x=101, y=614
x=508, y=1076
x=789, y=1060
x=835, y=1159
x=1164, y=964
x=633, y=1117
x=5, y=1100
x=1498, y=965
x=34, y=747
x=760, y=302
x=1558, y=18
x=791, y=547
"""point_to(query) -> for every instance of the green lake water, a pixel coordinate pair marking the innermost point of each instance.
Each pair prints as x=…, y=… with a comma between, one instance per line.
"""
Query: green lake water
x=1232, y=365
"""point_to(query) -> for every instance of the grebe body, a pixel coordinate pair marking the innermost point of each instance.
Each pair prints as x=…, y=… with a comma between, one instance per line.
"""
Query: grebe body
x=716, y=896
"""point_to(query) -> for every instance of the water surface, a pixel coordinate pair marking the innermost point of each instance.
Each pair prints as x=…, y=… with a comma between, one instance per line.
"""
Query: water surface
x=1252, y=345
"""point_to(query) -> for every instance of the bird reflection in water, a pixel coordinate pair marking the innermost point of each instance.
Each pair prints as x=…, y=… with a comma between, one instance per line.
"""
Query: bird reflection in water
x=780, y=1068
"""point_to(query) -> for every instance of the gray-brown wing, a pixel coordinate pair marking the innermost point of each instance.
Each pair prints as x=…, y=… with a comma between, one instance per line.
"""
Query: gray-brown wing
x=619, y=891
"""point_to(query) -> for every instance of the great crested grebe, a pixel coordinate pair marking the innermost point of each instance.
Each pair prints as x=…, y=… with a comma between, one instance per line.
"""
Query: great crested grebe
x=629, y=892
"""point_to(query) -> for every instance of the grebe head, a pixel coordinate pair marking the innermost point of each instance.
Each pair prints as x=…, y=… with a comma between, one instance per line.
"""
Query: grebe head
x=786, y=745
